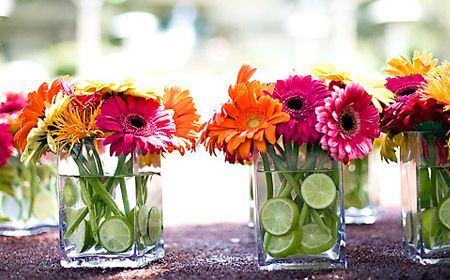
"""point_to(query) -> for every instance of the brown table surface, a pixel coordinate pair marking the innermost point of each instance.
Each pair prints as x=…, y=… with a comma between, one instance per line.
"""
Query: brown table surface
x=224, y=251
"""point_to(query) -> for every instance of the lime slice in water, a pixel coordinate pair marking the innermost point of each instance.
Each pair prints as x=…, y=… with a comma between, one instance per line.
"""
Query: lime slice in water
x=430, y=227
x=282, y=246
x=279, y=215
x=154, y=224
x=44, y=205
x=69, y=193
x=315, y=240
x=444, y=212
x=82, y=237
x=318, y=191
x=116, y=234
x=143, y=220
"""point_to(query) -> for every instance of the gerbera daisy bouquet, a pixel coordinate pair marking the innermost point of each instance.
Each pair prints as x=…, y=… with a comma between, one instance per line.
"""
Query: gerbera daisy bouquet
x=22, y=188
x=297, y=131
x=109, y=139
x=418, y=123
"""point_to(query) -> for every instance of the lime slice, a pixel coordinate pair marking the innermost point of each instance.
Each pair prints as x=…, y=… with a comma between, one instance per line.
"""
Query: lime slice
x=430, y=227
x=444, y=212
x=116, y=234
x=282, y=246
x=318, y=191
x=154, y=224
x=279, y=215
x=69, y=193
x=315, y=240
x=131, y=215
x=81, y=238
x=143, y=220
x=44, y=205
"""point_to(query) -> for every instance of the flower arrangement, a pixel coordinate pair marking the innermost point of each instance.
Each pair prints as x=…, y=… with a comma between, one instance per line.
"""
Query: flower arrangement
x=419, y=123
x=23, y=190
x=109, y=139
x=296, y=131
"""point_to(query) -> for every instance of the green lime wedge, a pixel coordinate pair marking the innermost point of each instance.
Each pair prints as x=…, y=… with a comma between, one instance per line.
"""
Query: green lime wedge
x=43, y=205
x=154, y=224
x=444, y=212
x=143, y=220
x=315, y=240
x=69, y=193
x=318, y=191
x=430, y=227
x=282, y=246
x=81, y=238
x=279, y=215
x=116, y=234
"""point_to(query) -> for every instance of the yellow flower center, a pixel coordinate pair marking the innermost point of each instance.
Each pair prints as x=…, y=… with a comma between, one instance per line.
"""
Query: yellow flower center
x=253, y=122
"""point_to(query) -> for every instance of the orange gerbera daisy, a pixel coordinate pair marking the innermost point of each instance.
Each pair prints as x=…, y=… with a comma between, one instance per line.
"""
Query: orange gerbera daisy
x=422, y=63
x=438, y=85
x=185, y=117
x=247, y=121
x=37, y=102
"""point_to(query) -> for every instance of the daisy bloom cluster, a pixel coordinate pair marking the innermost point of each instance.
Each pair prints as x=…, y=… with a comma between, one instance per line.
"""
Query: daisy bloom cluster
x=58, y=116
x=331, y=111
x=9, y=123
x=421, y=103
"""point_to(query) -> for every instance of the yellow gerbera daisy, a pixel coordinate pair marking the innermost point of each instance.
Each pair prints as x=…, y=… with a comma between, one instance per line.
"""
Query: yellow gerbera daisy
x=379, y=93
x=422, y=63
x=438, y=85
x=329, y=72
x=126, y=88
x=389, y=145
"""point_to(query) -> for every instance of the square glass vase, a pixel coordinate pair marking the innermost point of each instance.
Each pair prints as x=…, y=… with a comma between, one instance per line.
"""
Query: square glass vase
x=110, y=208
x=425, y=192
x=299, y=210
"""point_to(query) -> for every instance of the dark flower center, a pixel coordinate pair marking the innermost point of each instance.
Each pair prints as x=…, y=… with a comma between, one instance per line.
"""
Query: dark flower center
x=137, y=121
x=407, y=90
x=295, y=104
x=348, y=123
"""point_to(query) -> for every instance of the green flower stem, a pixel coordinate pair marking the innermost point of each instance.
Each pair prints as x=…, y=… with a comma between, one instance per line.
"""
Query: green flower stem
x=91, y=208
x=303, y=214
x=76, y=223
x=33, y=187
x=434, y=187
x=123, y=190
x=269, y=180
x=280, y=167
x=318, y=220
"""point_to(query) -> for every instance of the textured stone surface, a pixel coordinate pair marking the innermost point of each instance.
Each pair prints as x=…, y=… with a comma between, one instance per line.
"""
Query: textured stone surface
x=224, y=251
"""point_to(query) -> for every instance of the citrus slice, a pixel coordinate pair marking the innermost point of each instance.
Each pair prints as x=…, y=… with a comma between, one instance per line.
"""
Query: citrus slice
x=282, y=246
x=279, y=215
x=69, y=193
x=444, y=212
x=315, y=240
x=318, y=191
x=44, y=205
x=143, y=220
x=154, y=224
x=81, y=238
x=116, y=234
x=430, y=227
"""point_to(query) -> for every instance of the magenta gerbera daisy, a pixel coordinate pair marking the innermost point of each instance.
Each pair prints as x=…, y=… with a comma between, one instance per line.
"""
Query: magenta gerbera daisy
x=6, y=144
x=300, y=97
x=349, y=123
x=405, y=87
x=136, y=124
x=14, y=103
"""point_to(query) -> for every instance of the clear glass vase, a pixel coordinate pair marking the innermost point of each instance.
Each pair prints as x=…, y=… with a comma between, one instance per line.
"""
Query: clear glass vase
x=110, y=208
x=299, y=209
x=361, y=198
x=28, y=203
x=425, y=186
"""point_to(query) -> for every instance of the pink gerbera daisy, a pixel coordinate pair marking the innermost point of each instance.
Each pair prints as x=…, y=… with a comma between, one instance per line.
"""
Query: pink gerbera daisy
x=349, y=123
x=13, y=104
x=6, y=144
x=137, y=124
x=405, y=87
x=300, y=97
